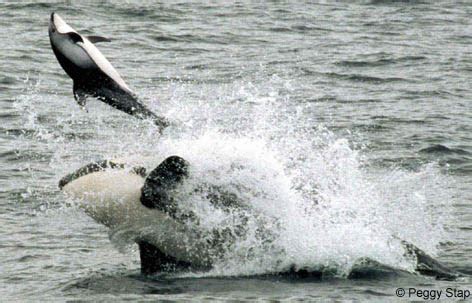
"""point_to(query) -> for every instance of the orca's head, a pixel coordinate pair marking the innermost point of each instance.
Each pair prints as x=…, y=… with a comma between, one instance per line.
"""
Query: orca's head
x=108, y=188
x=154, y=189
x=68, y=46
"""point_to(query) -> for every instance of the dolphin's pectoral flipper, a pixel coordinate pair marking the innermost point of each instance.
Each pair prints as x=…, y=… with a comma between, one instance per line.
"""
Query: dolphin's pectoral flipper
x=153, y=260
x=163, y=179
x=428, y=266
x=96, y=39
x=80, y=95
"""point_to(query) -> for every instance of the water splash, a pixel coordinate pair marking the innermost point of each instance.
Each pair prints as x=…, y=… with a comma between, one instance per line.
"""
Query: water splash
x=322, y=210
x=313, y=203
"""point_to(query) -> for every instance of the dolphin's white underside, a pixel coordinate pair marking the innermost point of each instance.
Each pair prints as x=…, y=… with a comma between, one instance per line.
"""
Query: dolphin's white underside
x=112, y=199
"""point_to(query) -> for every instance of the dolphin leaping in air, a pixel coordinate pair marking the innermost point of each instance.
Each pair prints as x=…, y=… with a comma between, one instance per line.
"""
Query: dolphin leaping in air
x=92, y=73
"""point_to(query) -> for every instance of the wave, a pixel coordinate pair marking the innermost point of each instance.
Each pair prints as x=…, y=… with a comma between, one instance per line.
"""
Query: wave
x=444, y=150
x=356, y=77
x=379, y=62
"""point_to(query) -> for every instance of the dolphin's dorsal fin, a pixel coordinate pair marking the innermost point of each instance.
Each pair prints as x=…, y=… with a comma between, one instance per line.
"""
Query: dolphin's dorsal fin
x=164, y=178
x=97, y=39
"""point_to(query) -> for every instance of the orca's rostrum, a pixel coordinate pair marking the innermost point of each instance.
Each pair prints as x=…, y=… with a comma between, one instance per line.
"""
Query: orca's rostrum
x=92, y=73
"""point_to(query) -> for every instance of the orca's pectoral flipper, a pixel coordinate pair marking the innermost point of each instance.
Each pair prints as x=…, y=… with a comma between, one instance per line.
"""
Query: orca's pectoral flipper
x=153, y=260
x=428, y=266
x=163, y=179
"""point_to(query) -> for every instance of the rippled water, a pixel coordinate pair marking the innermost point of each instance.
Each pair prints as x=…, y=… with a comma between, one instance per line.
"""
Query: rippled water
x=357, y=113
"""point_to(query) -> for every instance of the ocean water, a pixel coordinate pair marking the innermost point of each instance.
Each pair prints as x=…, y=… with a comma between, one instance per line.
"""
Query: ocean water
x=349, y=122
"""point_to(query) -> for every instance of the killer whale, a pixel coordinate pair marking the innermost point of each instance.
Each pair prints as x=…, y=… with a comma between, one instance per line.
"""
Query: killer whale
x=92, y=74
x=132, y=196
x=110, y=192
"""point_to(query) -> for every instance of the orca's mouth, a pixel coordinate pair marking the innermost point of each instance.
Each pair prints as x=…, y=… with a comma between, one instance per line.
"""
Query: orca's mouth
x=96, y=167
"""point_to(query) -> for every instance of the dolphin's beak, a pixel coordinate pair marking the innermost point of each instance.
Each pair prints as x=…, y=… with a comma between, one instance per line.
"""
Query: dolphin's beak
x=52, y=26
x=56, y=23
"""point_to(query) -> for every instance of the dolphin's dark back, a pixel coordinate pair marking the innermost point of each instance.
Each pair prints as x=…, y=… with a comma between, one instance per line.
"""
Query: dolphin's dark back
x=106, y=90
